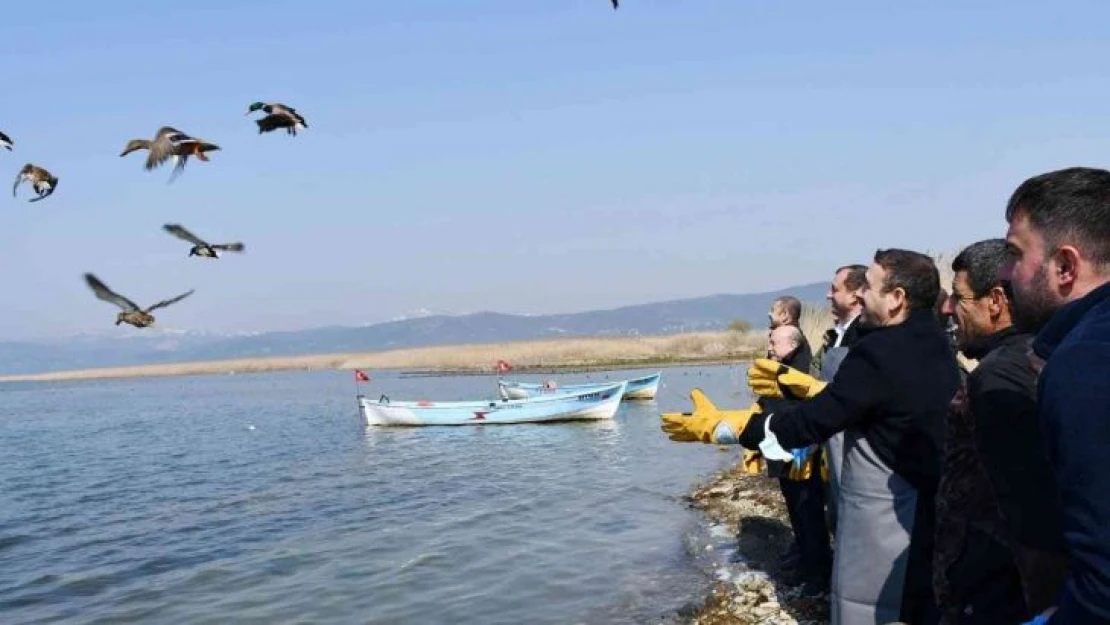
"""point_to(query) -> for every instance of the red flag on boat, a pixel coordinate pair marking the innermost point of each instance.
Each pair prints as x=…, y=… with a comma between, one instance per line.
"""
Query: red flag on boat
x=503, y=366
x=360, y=376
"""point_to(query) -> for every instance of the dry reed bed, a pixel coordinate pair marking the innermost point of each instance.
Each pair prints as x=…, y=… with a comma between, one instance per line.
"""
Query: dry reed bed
x=563, y=352
x=566, y=352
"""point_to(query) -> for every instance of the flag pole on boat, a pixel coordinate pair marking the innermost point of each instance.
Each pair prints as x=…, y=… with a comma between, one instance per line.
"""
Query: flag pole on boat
x=501, y=367
x=360, y=376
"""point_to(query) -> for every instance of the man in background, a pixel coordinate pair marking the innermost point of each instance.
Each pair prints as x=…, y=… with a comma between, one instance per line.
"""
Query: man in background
x=845, y=297
x=801, y=486
x=787, y=311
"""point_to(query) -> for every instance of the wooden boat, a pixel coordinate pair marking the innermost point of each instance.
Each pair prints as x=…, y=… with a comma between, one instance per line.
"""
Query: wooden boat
x=591, y=404
x=638, y=388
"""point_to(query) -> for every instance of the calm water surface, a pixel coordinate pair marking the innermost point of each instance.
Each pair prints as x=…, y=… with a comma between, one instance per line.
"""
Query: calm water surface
x=263, y=498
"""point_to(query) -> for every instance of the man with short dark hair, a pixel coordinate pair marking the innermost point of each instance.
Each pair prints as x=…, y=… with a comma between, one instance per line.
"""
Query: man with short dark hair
x=1059, y=240
x=845, y=297
x=890, y=397
x=787, y=311
x=999, y=548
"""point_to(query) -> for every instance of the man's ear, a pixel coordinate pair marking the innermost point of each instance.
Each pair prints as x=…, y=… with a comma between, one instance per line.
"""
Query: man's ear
x=997, y=302
x=1066, y=260
x=899, y=295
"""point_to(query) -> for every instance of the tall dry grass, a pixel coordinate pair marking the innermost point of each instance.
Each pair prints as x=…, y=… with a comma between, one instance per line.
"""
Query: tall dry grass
x=568, y=352
x=814, y=322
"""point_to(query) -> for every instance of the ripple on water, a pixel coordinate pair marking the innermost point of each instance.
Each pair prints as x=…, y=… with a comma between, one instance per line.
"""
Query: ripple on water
x=157, y=504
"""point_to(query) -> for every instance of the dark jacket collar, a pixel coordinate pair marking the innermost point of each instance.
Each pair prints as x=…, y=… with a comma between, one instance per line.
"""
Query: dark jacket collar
x=1066, y=318
x=794, y=356
x=916, y=319
x=991, y=342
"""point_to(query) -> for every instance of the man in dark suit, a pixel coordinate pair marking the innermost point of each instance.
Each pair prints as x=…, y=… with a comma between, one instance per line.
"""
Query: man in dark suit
x=890, y=397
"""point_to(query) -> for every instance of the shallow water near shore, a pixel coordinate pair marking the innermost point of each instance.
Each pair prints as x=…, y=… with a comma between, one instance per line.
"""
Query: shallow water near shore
x=263, y=498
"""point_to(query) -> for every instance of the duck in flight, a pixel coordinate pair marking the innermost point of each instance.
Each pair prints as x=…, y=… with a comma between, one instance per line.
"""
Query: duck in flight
x=131, y=313
x=170, y=144
x=42, y=181
x=278, y=116
x=200, y=247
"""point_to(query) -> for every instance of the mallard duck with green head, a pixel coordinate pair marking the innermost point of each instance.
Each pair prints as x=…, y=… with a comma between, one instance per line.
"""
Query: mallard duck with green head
x=278, y=116
x=42, y=181
x=200, y=247
x=131, y=313
x=170, y=144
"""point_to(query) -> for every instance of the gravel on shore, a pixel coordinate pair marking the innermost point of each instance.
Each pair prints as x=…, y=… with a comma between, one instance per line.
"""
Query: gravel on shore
x=751, y=508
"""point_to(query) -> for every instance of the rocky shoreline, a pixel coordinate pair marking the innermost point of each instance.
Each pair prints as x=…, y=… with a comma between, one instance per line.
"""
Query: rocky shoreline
x=750, y=508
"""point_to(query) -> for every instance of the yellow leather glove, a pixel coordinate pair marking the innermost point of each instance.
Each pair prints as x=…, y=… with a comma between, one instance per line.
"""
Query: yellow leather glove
x=753, y=462
x=707, y=423
x=768, y=378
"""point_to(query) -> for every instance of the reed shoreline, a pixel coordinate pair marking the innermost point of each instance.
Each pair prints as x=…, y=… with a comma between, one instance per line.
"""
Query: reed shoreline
x=564, y=355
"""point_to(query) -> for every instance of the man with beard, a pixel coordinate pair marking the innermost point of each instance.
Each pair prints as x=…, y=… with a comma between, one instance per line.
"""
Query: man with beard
x=999, y=548
x=1059, y=240
x=889, y=397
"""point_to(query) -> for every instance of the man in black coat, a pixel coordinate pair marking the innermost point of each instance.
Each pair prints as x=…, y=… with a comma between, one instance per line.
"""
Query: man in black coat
x=800, y=483
x=891, y=395
x=1000, y=553
x=894, y=386
x=1059, y=238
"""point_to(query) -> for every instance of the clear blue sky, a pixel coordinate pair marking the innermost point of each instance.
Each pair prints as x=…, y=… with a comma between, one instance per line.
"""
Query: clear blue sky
x=523, y=156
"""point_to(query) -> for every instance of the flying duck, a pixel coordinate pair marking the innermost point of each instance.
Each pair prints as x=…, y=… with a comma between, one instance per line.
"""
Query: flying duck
x=170, y=143
x=42, y=181
x=131, y=314
x=278, y=116
x=6, y=141
x=201, y=248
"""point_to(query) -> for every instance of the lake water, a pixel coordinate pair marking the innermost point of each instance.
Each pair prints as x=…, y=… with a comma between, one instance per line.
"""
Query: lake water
x=263, y=498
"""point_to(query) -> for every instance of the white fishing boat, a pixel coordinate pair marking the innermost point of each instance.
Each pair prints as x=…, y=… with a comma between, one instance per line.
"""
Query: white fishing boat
x=644, y=387
x=588, y=405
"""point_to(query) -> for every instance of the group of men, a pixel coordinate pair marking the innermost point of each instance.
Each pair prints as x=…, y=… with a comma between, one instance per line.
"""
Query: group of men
x=958, y=494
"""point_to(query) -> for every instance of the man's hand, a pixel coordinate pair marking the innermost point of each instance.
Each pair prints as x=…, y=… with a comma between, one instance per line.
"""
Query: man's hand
x=768, y=378
x=707, y=423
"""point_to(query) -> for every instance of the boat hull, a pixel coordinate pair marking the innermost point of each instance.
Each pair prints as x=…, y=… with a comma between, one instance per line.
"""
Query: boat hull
x=590, y=405
x=643, y=388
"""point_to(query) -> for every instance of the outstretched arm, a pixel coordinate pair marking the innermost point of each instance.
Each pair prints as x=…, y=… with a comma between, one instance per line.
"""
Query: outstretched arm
x=858, y=389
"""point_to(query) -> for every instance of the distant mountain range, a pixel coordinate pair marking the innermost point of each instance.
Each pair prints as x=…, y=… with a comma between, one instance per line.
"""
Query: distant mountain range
x=713, y=312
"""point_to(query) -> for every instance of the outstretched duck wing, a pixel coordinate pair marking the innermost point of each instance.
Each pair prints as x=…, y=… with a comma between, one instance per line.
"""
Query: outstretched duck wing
x=103, y=292
x=172, y=300
x=180, y=232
